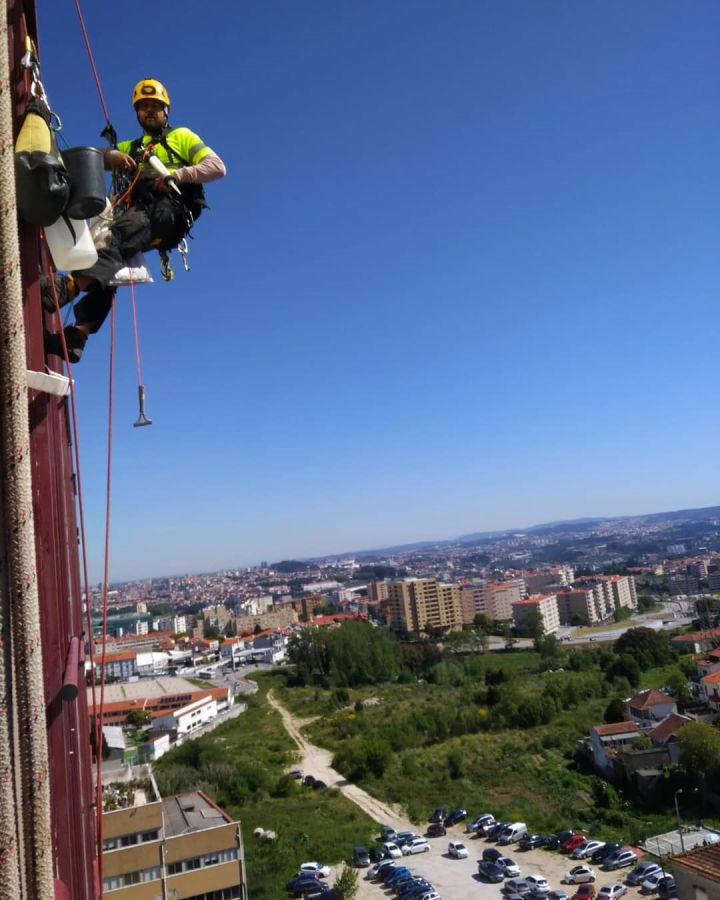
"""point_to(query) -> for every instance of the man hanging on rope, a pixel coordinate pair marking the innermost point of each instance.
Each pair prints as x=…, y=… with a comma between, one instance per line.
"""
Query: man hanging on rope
x=157, y=216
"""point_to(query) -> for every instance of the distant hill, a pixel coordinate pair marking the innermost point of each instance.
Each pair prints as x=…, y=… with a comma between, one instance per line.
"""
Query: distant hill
x=569, y=526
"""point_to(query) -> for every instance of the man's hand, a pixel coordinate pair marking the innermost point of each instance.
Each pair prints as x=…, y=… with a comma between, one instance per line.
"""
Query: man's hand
x=164, y=184
x=121, y=162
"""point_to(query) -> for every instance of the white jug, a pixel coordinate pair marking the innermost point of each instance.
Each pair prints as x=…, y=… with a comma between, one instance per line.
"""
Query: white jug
x=71, y=244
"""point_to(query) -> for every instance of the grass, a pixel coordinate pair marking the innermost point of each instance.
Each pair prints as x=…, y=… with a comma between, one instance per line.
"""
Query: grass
x=528, y=775
x=241, y=765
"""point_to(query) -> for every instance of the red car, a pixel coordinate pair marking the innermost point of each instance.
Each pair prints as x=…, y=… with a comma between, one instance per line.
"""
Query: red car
x=573, y=842
x=584, y=892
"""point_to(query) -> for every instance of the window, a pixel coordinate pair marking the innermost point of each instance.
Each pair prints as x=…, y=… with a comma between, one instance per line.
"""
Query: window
x=199, y=862
x=129, y=878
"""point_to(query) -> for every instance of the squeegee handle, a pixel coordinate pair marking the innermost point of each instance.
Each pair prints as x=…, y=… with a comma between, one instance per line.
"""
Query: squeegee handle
x=160, y=168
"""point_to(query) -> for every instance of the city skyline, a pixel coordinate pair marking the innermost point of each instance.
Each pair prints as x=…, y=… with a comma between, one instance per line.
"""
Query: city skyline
x=461, y=275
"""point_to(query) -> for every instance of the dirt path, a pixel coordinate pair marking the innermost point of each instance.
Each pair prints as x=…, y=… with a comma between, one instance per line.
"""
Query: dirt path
x=316, y=761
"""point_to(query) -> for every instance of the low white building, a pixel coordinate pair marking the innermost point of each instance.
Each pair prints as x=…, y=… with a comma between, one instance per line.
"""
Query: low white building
x=187, y=719
x=152, y=663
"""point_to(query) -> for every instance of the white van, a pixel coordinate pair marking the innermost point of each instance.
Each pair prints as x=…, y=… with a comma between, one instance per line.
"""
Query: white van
x=512, y=833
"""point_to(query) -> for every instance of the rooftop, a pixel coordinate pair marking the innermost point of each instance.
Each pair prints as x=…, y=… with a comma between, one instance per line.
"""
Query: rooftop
x=190, y=812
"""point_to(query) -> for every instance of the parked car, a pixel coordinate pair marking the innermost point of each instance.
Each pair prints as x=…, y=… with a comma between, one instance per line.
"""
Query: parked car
x=557, y=895
x=302, y=883
x=309, y=780
x=457, y=850
x=392, y=851
x=512, y=833
x=438, y=814
x=314, y=868
x=603, y=852
x=509, y=866
x=454, y=816
x=612, y=891
x=516, y=886
x=586, y=849
x=397, y=875
x=404, y=837
x=295, y=773
x=374, y=871
x=412, y=887
x=361, y=858
x=620, y=858
x=533, y=840
x=391, y=872
x=481, y=821
x=376, y=853
x=436, y=829
x=574, y=841
x=321, y=891
x=643, y=871
x=667, y=886
x=579, y=874
x=559, y=838
x=539, y=892
x=491, y=871
x=494, y=831
x=538, y=884
x=584, y=892
x=318, y=784
x=417, y=845
x=491, y=854
x=387, y=833
x=656, y=882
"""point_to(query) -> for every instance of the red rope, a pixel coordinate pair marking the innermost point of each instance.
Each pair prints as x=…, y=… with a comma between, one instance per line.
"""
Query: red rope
x=135, y=332
x=92, y=61
x=106, y=572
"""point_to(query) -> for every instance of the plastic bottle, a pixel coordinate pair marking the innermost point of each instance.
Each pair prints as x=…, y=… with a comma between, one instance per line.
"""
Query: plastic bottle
x=71, y=244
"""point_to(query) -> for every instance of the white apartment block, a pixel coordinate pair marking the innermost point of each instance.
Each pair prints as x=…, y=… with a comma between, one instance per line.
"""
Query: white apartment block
x=189, y=718
x=142, y=627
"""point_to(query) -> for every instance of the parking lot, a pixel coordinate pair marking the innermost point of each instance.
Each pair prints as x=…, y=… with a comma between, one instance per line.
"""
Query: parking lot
x=457, y=879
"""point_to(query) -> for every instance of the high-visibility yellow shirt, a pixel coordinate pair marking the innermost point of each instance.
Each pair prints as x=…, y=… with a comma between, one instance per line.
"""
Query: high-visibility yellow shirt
x=184, y=143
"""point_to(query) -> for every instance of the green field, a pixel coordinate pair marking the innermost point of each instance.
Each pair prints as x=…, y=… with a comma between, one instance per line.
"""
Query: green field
x=241, y=765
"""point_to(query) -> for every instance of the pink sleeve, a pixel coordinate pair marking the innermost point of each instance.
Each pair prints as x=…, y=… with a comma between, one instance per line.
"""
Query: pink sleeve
x=210, y=168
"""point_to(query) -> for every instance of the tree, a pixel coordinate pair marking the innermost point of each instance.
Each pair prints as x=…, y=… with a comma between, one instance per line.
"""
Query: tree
x=346, y=884
x=648, y=647
x=257, y=629
x=509, y=637
x=622, y=613
x=138, y=718
x=680, y=689
x=534, y=624
x=625, y=666
x=699, y=749
x=615, y=711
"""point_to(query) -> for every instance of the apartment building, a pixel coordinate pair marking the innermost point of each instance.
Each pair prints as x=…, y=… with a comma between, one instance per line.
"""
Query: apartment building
x=182, y=846
x=499, y=598
x=609, y=592
x=539, y=580
x=377, y=592
x=544, y=605
x=581, y=604
x=468, y=602
x=414, y=603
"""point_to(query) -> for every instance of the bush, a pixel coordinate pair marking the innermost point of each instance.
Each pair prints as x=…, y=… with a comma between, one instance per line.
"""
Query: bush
x=346, y=884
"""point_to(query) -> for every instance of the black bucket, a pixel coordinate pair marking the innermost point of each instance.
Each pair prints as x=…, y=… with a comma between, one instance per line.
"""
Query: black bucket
x=87, y=182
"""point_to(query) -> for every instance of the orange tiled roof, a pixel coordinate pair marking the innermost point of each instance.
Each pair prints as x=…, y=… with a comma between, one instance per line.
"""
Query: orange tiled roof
x=704, y=860
x=669, y=727
x=616, y=728
x=649, y=698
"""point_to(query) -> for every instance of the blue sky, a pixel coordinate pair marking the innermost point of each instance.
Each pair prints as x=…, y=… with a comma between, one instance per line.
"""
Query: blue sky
x=462, y=273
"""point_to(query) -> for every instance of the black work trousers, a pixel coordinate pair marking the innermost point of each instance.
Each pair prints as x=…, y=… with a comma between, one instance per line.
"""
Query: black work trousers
x=160, y=221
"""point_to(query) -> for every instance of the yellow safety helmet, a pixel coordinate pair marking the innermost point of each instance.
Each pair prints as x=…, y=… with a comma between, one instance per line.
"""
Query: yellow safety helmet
x=149, y=89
